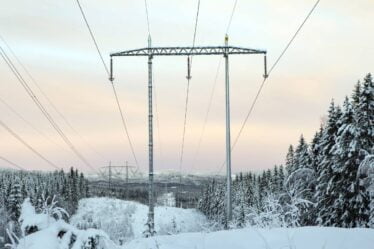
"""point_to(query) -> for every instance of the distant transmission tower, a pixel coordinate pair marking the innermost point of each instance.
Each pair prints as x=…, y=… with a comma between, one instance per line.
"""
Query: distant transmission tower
x=119, y=172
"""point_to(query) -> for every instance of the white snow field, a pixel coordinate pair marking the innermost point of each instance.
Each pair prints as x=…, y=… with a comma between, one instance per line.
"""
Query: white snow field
x=125, y=220
x=251, y=238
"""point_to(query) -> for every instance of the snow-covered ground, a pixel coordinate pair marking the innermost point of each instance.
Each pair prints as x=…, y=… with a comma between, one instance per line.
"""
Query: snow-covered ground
x=125, y=220
x=251, y=238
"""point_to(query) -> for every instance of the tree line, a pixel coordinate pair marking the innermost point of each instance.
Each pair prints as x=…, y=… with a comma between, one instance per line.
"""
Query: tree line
x=321, y=182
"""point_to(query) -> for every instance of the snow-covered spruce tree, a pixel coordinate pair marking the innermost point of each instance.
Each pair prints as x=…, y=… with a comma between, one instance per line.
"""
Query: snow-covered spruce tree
x=72, y=191
x=302, y=179
x=364, y=137
x=290, y=160
x=345, y=170
x=365, y=176
x=275, y=180
x=241, y=192
x=324, y=196
x=315, y=150
x=250, y=190
x=281, y=179
x=81, y=186
x=299, y=186
x=301, y=158
x=261, y=188
x=15, y=200
x=364, y=115
x=212, y=204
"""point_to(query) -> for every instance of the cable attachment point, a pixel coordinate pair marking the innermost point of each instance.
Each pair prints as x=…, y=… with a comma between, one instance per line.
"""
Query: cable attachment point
x=111, y=70
x=188, y=68
x=265, y=67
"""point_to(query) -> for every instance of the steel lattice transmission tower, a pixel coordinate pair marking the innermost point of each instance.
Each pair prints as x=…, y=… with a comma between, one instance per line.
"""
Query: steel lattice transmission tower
x=150, y=52
x=117, y=172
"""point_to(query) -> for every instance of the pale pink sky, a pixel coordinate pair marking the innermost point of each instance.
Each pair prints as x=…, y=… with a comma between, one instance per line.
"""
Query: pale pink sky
x=333, y=51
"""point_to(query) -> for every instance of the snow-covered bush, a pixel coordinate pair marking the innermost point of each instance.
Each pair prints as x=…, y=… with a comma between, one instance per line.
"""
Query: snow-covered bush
x=61, y=235
x=47, y=230
x=271, y=215
x=3, y=224
x=294, y=206
x=279, y=210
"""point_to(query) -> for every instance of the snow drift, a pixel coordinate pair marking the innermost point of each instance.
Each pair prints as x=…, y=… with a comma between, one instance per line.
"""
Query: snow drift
x=280, y=238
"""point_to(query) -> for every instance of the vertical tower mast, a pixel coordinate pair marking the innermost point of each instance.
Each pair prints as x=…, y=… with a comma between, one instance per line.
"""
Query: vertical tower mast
x=228, y=134
x=151, y=214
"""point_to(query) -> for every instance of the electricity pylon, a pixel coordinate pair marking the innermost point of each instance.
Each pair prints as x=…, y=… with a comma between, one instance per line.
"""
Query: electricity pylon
x=150, y=52
x=118, y=173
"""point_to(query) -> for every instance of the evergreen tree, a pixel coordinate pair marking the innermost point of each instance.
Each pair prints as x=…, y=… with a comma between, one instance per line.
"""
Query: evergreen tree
x=269, y=177
x=324, y=196
x=324, y=172
x=275, y=180
x=351, y=208
x=15, y=201
x=315, y=150
x=281, y=179
x=290, y=160
x=364, y=141
x=73, y=190
x=82, y=189
x=301, y=158
x=364, y=116
x=356, y=94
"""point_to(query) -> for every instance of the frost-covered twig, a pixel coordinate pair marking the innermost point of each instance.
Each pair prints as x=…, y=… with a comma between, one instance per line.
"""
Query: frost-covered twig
x=13, y=239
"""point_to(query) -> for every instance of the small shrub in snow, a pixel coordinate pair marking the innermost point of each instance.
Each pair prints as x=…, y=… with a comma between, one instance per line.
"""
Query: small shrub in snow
x=279, y=210
x=272, y=214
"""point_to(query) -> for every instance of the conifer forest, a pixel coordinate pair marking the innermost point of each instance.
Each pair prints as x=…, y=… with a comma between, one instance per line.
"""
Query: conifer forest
x=324, y=182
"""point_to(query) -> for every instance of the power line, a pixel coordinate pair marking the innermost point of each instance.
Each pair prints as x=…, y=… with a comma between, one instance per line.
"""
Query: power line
x=147, y=15
x=113, y=86
x=93, y=37
x=47, y=98
x=213, y=90
x=12, y=163
x=231, y=16
x=265, y=78
x=124, y=125
x=196, y=21
x=29, y=91
x=154, y=86
x=207, y=112
x=11, y=109
x=293, y=37
x=188, y=89
x=27, y=145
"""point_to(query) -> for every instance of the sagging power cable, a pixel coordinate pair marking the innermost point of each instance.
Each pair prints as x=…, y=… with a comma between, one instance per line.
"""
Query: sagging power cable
x=189, y=61
x=113, y=86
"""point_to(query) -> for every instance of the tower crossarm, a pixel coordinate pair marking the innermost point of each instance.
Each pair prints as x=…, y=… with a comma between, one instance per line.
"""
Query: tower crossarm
x=187, y=51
